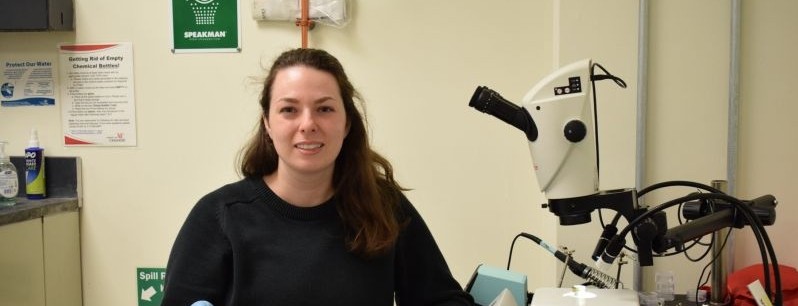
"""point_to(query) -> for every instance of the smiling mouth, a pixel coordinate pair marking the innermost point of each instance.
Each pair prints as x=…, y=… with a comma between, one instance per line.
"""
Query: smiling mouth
x=309, y=146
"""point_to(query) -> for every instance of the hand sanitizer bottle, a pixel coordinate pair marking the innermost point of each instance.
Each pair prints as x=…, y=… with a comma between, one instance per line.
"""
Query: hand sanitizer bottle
x=9, y=184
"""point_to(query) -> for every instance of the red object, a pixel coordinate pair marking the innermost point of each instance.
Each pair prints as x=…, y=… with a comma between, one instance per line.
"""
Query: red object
x=737, y=284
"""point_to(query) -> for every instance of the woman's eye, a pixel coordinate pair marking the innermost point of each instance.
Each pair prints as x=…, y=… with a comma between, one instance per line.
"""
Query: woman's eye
x=287, y=110
x=326, y=109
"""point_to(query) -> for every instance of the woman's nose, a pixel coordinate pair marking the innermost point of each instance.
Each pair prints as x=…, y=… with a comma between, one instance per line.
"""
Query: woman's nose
x=308, y=123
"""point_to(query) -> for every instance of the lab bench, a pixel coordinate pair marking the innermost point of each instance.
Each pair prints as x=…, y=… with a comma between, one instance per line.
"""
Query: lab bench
x=40, y=262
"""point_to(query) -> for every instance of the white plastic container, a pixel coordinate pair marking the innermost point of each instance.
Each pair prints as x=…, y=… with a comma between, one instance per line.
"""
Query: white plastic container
x=666, y=285
x=9, y=182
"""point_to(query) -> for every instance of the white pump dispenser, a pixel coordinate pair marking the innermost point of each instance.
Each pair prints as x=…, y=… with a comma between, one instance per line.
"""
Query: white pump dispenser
x=3, y=156
x=9, y=184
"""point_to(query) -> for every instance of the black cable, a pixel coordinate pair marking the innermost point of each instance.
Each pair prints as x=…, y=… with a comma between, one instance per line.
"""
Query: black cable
x=694, y=242
x=701, y=281
x=672, y=184
x=747, y=213
x=765, y=246
x=601, y=218
x=762, y=239
x=510, y=256
x=593, y=276
x=595, y=117
x=677, y=183
x=684, y=250
x=618, y=276
x=593, y=78
x=688, y=247
x=698, y=241
x=769, y=248
x=706, y=252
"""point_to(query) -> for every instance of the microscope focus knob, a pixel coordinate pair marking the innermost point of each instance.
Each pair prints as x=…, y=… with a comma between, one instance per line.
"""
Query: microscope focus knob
x=575, y=131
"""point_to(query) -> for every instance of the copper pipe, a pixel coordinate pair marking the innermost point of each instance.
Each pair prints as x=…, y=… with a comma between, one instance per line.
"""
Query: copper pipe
x=304, y=22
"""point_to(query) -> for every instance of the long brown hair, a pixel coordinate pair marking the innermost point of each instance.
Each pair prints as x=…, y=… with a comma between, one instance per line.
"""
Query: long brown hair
x=366, y=191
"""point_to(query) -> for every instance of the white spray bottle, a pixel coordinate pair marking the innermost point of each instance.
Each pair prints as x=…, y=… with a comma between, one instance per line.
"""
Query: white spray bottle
x=34, y=168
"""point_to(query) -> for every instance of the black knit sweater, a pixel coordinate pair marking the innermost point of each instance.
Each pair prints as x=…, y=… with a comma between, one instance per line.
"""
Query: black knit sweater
x=243, y=245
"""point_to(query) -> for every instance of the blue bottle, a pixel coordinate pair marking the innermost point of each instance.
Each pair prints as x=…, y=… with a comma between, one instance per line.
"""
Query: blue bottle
x=34, y=168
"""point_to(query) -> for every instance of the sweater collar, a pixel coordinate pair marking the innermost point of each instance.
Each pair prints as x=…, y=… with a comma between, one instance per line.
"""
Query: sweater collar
x=324, y=210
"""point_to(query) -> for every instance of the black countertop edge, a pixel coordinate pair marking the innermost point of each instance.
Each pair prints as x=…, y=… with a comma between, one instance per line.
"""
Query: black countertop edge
x=25, y=209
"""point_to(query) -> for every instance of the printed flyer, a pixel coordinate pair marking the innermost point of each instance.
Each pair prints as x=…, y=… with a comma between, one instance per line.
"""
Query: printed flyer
x=27, y=83
x=98, y=106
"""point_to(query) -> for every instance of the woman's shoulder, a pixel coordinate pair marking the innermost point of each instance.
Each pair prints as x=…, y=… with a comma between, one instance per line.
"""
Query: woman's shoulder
x=244, y=190
x=405, y=209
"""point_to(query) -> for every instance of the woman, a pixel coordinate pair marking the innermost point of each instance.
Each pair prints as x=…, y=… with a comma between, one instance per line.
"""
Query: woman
x=318, y=218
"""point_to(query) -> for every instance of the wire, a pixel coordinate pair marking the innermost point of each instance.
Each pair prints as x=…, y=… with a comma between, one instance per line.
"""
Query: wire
x=595, y=277
x=656, y=186
x=683, y=250
x=678, y=183
x=593, y=78
x=765, y=245
x=601, y=218
x=706, y=252
x=698, y=241
x=760, y=228
x=510, y=256
x=618, y=275
x=701, y=281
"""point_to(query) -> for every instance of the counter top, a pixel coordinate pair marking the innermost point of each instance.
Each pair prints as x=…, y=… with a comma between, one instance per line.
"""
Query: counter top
x=31, y=209
x=62, y=185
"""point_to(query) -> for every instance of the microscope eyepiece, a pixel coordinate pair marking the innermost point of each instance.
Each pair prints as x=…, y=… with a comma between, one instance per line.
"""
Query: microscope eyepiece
x=490, y=102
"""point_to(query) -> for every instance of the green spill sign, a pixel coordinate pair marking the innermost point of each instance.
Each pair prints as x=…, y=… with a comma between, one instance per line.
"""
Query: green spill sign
x=150, y=285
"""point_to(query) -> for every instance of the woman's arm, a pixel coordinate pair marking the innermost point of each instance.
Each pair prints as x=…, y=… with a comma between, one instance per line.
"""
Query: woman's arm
x=200, y=262
x=422, y=275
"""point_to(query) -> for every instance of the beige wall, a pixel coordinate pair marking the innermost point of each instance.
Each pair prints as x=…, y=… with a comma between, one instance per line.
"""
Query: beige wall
x=417, y=63
x=687, y=115
x=767, y=143
x=689, y=55
x=606, y=32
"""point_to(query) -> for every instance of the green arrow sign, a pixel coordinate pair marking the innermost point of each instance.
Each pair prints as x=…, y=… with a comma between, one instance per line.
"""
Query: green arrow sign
x=150, y=285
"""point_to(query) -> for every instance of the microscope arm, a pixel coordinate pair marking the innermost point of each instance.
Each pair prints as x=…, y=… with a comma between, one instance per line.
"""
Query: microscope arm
x=676, y=237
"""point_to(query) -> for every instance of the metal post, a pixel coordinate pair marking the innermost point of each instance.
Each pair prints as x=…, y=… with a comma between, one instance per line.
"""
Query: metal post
x=642, y=102
x=720, y=264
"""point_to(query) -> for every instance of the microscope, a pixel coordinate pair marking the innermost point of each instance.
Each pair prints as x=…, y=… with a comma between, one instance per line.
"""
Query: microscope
x=558, y=118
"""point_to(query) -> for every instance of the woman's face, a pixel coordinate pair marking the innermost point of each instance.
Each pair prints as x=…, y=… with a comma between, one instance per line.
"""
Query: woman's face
x=306, y=121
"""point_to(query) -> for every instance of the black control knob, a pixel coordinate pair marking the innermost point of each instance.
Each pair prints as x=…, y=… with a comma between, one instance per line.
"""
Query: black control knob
x=575, y=131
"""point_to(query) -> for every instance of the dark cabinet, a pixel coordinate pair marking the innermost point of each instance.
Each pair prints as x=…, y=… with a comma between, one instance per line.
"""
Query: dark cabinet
x=37, y=15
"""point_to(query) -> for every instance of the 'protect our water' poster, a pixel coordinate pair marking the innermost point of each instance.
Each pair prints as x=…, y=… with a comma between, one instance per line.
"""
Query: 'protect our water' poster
x=27, y=83
x=98, y=105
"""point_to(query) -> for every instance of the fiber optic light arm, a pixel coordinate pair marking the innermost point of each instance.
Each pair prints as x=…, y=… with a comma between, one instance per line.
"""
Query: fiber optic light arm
x=726, y=216
x=677, y=236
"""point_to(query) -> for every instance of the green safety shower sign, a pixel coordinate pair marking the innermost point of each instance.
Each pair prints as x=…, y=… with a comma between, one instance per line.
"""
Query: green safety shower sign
x=205, y=26
x=150, y=286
